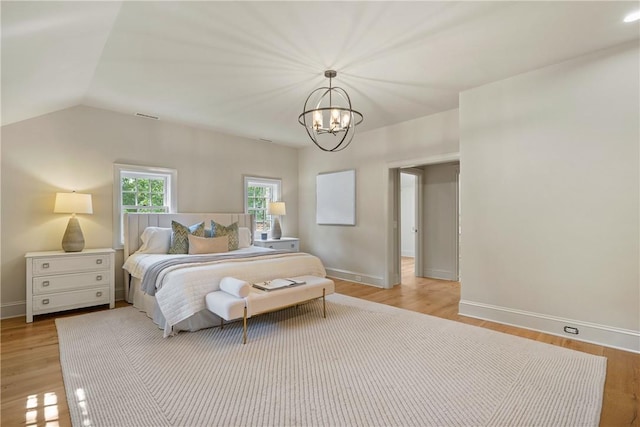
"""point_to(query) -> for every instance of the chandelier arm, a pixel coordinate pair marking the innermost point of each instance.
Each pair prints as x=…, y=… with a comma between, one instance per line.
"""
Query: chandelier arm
x=337, y=147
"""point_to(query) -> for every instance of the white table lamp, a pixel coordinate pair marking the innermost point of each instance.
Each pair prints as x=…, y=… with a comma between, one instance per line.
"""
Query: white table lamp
x=276, y=209
x=73, y=203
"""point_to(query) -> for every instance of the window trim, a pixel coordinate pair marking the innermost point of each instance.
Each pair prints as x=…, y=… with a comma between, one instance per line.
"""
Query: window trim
x=119, y=169
x=277, y=182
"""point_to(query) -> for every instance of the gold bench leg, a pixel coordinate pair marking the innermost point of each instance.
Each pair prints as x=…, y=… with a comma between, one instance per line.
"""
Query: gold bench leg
x=244, y=327
x=324, y=304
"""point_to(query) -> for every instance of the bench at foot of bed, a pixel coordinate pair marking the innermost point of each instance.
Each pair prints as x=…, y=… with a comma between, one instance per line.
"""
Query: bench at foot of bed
x=229, y=307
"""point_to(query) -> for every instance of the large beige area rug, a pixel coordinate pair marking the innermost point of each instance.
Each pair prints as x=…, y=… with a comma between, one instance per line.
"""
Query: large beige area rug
x=366, y=364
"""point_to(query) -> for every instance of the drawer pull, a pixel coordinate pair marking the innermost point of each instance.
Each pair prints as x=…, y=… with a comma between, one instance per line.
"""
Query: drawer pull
x=45, y=301
x=45, y=265
x=45, y=283
x=292, y=245
x=99, y=277
x=98, y=261
x=271, y=246
x=98, y=294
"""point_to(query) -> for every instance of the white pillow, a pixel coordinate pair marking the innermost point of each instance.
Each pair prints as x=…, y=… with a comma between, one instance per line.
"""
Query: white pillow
x=244, y=237
x=155, y=240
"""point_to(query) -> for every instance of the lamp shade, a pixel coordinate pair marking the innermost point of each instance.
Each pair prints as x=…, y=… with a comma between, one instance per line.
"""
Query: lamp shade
x=276, y=208
x=75, y=203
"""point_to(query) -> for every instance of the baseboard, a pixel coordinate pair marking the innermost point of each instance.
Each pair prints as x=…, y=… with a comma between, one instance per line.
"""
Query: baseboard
x=440, y=274
x=622, y=339
x=13, y=309
x=409, y=254
x=351, y=276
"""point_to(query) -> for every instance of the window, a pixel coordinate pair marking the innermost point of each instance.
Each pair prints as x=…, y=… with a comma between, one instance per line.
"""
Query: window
x=141, y=189
x=258, y=192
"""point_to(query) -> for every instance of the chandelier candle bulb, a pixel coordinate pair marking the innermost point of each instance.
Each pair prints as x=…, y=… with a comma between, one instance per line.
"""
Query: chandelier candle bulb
x=317, y=120
x=345, y=119
x=335, y=119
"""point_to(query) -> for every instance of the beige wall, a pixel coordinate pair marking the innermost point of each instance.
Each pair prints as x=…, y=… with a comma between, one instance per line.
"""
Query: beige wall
x=74, y=149
x=360, y=250
x=550, y=198
x=440, y=221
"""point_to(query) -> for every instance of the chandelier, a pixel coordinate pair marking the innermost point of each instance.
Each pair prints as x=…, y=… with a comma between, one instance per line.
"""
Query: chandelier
x=328, y=117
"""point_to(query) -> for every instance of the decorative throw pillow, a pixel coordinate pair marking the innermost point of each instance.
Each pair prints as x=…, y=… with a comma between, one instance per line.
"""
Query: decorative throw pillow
x=208, y=245
x=180, y=236
x=230, y=230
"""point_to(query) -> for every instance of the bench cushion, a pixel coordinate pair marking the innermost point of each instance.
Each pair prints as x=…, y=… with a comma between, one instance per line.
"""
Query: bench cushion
x=225, y=305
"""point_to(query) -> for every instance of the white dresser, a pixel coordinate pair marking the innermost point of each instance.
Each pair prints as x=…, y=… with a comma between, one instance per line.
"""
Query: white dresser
x=285, y=243
x=58, y=280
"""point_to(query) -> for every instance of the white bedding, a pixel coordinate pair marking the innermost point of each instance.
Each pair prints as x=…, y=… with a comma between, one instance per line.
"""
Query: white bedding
x=181, y=290
x=138, y=263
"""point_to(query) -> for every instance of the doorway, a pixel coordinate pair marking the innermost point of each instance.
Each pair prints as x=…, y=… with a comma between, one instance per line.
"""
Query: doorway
x=436, y=225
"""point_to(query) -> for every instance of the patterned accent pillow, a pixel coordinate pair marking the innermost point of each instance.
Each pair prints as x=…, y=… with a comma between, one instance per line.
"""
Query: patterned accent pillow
x=180, y=236
x=230, y=230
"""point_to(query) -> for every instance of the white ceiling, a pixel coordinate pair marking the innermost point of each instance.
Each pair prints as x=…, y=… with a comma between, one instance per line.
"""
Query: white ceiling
x=246, y=68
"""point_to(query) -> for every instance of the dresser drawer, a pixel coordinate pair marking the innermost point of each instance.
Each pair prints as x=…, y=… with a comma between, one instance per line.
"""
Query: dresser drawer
x=74, y=264
x=65, y=282
x=68, y=300
x=284, y=245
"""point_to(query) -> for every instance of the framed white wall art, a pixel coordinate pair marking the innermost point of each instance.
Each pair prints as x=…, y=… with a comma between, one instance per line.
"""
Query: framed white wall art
x=336, y=198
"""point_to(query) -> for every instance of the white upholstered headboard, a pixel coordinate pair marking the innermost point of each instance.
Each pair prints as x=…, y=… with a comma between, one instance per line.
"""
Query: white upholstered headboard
x=135, y=223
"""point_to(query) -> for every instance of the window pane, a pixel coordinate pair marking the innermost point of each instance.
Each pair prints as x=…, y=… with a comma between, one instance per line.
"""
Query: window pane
x=157, y=185
x=128, y=198
x=157, y=199
x=144, y=199
x=143, y=185
x=128, y=184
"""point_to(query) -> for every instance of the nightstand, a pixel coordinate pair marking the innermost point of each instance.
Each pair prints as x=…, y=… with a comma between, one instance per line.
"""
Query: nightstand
x=58, y=280
x=285, y=243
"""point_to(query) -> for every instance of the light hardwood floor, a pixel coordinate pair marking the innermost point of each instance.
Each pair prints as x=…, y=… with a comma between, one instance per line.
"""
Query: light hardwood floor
x=33, y=391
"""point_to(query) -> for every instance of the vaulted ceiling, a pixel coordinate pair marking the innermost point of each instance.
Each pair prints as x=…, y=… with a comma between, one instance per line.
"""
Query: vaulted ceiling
x=245, y=68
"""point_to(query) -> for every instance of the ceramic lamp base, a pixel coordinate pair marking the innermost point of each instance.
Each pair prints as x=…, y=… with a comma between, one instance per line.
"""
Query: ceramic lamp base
x=276, y=231
x=73, y=240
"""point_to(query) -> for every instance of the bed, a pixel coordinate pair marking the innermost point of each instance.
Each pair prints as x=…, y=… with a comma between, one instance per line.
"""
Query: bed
x=171, y=288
